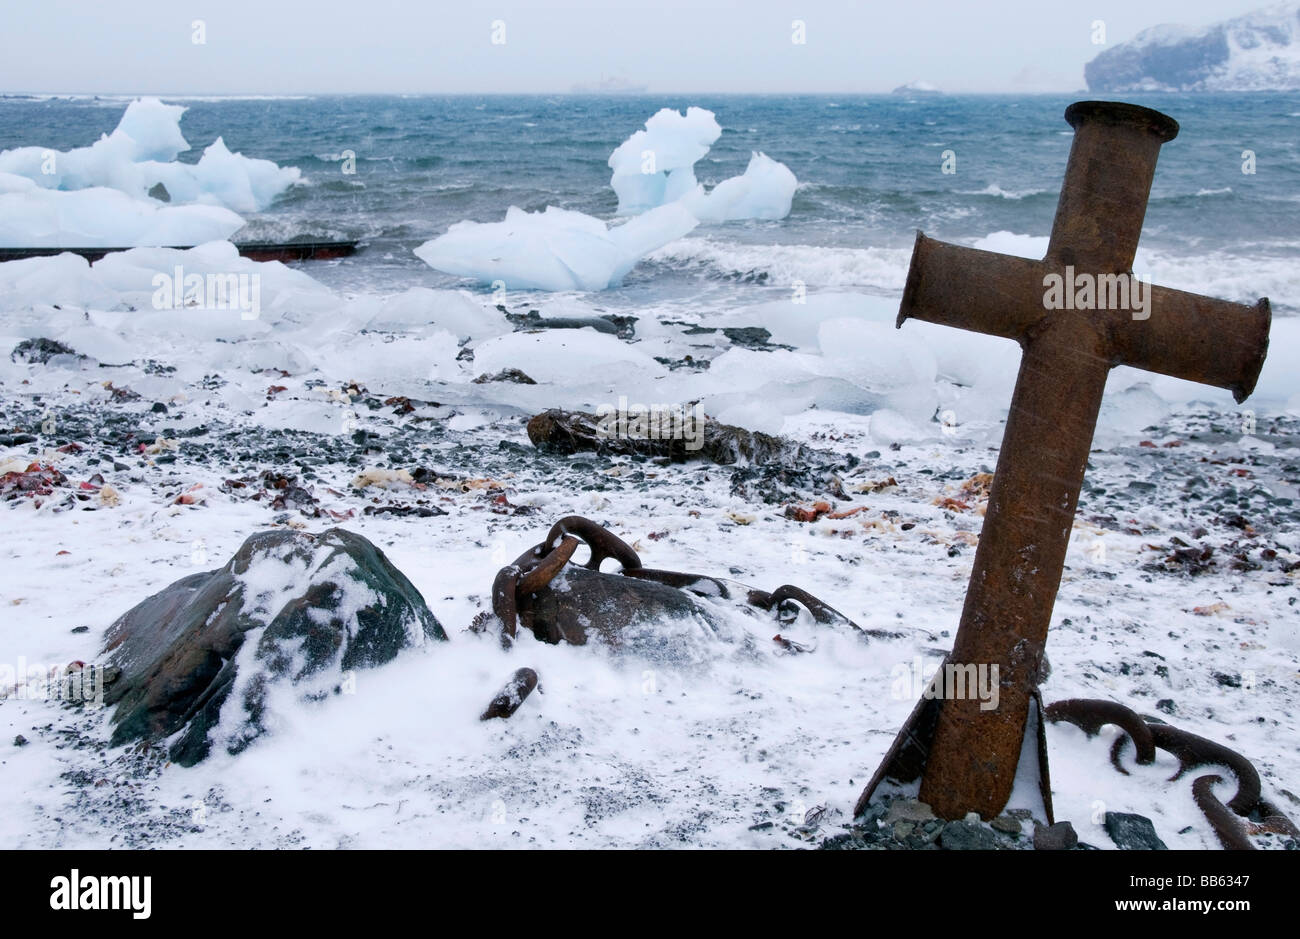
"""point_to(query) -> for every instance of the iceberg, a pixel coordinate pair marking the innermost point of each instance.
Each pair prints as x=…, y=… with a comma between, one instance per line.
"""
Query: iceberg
x=32, y=217
x=141, y=153
x=654, y=177
x=656, y=166
x=764, y=191
x=556, y=249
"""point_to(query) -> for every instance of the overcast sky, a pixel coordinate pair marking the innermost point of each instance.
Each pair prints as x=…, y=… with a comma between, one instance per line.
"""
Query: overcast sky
x=292, y=46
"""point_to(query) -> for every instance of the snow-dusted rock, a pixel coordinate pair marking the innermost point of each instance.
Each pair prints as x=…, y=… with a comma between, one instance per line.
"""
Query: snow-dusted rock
x=198, y=659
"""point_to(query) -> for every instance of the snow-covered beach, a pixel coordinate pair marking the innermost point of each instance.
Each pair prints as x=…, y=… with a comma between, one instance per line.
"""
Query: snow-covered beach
x=151, y=430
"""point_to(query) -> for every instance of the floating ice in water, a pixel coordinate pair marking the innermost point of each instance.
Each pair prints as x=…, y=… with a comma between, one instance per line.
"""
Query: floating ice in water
x=656, y=166
x=152, y=130
x=764, y=191
x=141, y=153
x=556, y=249
x=32, y=217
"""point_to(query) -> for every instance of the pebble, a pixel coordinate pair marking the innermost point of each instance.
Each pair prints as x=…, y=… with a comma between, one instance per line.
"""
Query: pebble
x=1058, y=837
x=1132, y=832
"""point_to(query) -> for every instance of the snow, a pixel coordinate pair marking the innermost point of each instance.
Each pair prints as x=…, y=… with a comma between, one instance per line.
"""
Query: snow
x=618, y=750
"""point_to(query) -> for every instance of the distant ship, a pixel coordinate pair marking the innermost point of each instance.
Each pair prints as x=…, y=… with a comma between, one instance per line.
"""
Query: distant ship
x=917, y=88
x=612, y=85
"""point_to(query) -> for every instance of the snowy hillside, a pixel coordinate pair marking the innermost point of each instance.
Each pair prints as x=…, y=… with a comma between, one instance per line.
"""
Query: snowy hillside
x=1259, y=51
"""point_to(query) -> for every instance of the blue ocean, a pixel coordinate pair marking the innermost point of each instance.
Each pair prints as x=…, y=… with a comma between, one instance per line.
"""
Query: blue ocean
x=870, y=171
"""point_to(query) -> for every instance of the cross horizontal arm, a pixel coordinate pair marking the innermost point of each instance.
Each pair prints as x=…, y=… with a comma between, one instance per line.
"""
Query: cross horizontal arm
x=982, y=291
x=1196, y=338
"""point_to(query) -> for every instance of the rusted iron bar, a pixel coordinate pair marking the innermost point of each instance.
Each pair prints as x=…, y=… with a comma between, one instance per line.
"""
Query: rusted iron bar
x=508, y=699
x=970, y=760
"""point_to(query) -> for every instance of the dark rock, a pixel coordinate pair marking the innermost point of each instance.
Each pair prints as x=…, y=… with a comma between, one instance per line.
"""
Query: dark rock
x=1058, y=837
x=314, y=606
x=909, y=810
x=566, y=432
x=1167, y=706
x=572, y=322
x=159, y=408
x=39, y=351
x=1006, y=824
x=20, y=741
x=81, y=629
x=159, y=192
x=968, y=836
x=610, y=323
x=506, y=374
x=1132, y=832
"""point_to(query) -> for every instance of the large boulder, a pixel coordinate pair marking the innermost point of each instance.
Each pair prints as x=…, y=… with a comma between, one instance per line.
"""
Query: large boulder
x=289, y=607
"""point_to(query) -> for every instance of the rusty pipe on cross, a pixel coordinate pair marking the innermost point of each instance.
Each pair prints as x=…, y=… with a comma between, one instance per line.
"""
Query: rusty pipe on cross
x=1070, y=342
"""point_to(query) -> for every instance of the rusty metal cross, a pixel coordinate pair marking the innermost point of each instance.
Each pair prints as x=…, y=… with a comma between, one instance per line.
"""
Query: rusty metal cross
x=1073, y=325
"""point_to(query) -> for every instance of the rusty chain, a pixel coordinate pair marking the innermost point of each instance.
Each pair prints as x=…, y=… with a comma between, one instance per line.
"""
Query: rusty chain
x=1191, y=751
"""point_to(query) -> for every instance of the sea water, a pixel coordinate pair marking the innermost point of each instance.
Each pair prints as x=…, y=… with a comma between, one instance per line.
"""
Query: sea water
x=1223, y=219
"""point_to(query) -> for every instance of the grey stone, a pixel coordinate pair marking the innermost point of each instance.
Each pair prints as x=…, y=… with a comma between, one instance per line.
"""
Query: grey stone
x=512, y=375
x=1006, y=824
x=159, y=192
x=1058, y=837
x=967, y=836
x=341, y=606
x=1132, y=832
x=909, y=810
x=40, y=351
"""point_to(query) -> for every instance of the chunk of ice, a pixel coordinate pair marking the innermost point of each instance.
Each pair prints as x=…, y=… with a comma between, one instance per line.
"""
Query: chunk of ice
x=556, y=249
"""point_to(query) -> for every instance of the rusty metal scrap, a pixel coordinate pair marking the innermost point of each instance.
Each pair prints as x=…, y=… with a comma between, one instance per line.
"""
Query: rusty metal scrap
x=970, y=757
x=601, y=603
x=1192, y=751
x=508, y=699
